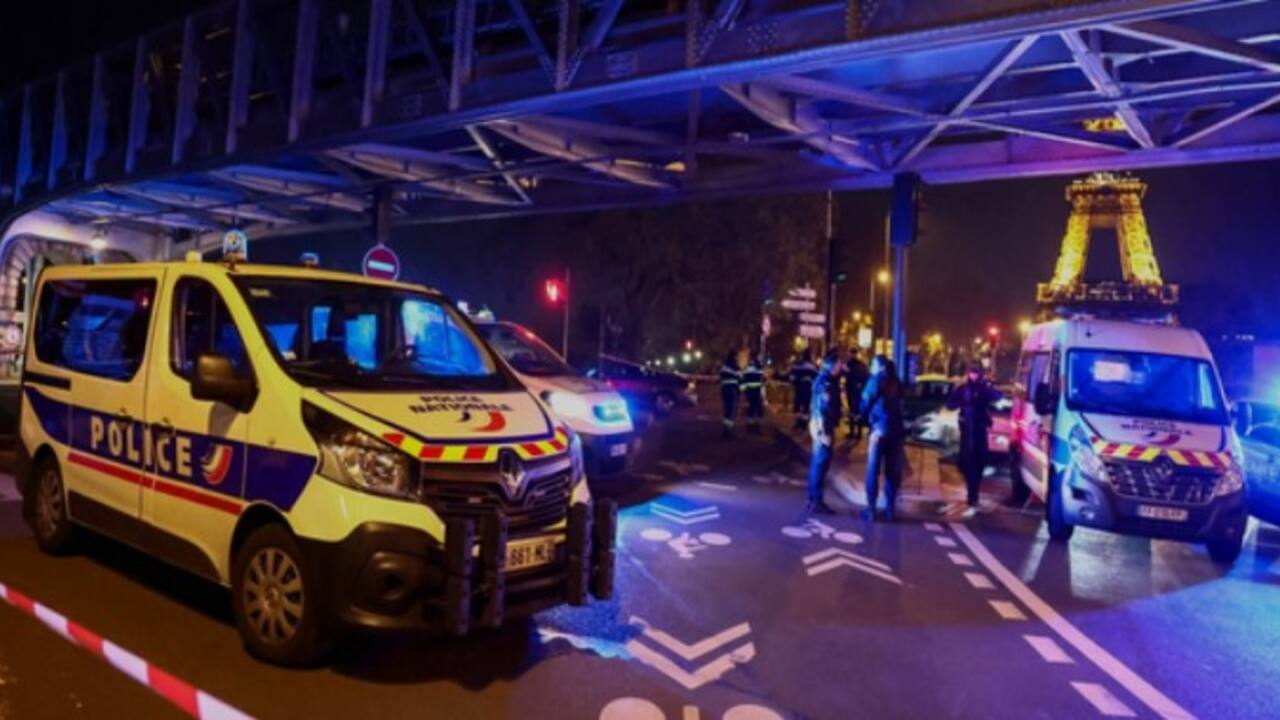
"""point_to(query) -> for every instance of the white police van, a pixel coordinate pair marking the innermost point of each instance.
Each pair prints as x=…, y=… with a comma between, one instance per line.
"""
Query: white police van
x=339, y=451
x=591, y=408
x=1123, y=426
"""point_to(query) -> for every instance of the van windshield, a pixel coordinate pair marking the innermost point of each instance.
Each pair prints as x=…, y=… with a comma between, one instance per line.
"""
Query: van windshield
x=1148, y=385
x=354, y=335
x=524, y=350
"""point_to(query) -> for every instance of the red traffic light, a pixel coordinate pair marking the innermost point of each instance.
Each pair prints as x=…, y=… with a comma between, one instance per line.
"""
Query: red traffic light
x=993, y=330
x=553, y=289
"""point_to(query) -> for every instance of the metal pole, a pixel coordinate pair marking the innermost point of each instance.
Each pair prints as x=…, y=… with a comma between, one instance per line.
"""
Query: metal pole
x=902, y=235
x=564, y=331
x=831, y=272
x=900, y=307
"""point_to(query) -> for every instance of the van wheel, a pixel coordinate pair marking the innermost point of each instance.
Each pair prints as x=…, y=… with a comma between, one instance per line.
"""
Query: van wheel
x=47, y=509
x=275, y=600
x=1021, y=491
x=1059, y=529
x=1225, y=550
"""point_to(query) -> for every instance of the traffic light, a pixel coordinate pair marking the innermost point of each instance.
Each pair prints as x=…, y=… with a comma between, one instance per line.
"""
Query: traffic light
x=553, y=290
x=993, y=331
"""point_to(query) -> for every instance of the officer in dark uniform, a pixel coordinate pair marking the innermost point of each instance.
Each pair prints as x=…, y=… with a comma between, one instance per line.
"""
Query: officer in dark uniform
x=973, y=398
x=753, y=391
x=824, y=420
x=803, y=371
x=856, y=374
x=730, y=378
x=882, y=407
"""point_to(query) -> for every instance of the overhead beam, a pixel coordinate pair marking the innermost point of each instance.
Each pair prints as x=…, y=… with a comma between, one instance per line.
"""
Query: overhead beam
x=57, y=133
x=139, y=106
x=1196, y=41
x=375, y=65
x=994, y=71
x=495, y=159
x=241, y=75
x=464, y=37
x=799, y=117
x=568, y=15
x=1099, y=76
x=421, y=168
x=304, y=60
x=312, y=188
x=184, y=121
x=1225, y=118
x=585, y=150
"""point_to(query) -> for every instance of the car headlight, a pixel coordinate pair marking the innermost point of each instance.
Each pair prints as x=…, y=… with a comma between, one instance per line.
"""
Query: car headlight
x=581, y=494
x=1084, y=457
x=352, y=457
x=567, y=405
x=612, y=412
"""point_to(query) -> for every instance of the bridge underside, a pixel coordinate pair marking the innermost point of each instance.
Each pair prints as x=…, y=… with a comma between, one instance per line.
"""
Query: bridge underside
x=291, y=115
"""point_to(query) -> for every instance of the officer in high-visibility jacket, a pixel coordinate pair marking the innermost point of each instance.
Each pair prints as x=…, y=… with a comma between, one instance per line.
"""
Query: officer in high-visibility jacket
x=803, y=372
x=730, y=378
x=753, y=391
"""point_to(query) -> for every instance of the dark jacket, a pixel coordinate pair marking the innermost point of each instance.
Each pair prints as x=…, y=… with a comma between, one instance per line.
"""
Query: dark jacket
x=825, y=404
x=752, y=379
x=882, y=405
x=803, y=372
x=973, y=400
x=855, y=379
x=730, y=376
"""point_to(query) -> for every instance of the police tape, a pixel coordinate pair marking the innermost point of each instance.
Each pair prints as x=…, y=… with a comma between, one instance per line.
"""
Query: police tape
x=186, y=697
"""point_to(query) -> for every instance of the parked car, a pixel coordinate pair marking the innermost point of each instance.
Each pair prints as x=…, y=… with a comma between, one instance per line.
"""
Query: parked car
x=647, y=390
x=1258, y=426
x=925, y=396
x=941, y=427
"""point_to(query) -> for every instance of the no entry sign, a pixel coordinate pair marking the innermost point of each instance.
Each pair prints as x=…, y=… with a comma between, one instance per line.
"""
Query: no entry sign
x=381, y=262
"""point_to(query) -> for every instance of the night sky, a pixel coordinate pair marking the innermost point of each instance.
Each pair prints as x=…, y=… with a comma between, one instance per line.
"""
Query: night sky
x=984, y=248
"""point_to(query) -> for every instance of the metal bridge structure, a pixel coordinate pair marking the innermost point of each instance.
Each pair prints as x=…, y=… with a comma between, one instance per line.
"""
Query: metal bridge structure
x=281, y=116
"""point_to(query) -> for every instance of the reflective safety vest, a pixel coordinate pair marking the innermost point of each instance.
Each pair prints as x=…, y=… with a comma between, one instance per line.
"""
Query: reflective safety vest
x=729, y=376
x=803, y=373
x=752, y=378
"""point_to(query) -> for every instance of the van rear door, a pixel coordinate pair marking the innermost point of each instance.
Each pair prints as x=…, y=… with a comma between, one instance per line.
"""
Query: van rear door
x=86, y=380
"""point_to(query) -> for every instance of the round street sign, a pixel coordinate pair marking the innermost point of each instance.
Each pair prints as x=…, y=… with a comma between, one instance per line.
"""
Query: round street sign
x=381, y=262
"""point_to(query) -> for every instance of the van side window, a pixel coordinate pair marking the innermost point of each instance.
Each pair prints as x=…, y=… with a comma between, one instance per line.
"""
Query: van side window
x=97, y=327
x=202, y=324
x=1039, y=374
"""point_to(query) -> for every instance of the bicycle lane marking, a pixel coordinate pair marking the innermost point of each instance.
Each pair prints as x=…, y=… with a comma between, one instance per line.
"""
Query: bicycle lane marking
x=1158, y=702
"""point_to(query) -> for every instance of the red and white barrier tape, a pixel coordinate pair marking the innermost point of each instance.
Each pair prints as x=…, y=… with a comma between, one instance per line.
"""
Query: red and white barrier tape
x=191, y=700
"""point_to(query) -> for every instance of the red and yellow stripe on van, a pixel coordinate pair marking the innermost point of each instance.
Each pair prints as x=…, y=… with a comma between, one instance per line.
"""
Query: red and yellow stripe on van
x=1149, y=453
x=477, y=453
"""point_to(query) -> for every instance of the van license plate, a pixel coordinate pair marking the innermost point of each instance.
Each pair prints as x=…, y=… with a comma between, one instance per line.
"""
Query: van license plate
x=525, y=554
x=618, y=450
x=1160, y=512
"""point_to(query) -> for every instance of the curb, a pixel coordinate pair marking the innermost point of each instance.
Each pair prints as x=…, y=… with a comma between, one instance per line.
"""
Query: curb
x=184, y=696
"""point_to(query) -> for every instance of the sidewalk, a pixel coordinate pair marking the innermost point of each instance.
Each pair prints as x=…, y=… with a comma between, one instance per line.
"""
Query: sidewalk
x=927, y=484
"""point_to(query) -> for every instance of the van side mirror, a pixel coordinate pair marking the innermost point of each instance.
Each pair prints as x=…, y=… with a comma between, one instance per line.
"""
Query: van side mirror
x=1046, y=400
x=215, y=379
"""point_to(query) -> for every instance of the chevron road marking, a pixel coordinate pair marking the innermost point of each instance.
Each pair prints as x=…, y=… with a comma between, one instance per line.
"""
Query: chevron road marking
x=661, y=658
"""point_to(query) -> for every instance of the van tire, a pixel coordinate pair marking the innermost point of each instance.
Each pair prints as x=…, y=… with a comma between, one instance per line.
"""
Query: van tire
x=1059, y=529
x=276, y=600
x=1225, y=550
x=46, y=508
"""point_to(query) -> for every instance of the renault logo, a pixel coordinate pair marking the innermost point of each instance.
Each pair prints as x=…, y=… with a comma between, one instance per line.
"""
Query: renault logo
x=511, y=471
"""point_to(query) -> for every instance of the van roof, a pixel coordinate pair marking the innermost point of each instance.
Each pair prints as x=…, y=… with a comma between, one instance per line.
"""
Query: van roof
x=218, y=267
x=1086, y=332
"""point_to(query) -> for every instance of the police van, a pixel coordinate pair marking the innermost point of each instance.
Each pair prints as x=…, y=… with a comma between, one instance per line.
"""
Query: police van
x=338, y=451
x=1123, y=426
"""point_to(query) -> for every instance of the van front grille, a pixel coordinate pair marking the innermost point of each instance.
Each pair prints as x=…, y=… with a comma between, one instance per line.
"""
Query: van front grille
x=1162, y=481
x=543, y=500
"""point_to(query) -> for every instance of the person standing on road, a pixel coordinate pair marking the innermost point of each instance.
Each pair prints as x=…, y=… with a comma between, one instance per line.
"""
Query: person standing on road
x=882, y=407
x=855, y=379
x=753, y=392
x=973, y=398
x=730, y=378
x=803, y=372
x=824, y=418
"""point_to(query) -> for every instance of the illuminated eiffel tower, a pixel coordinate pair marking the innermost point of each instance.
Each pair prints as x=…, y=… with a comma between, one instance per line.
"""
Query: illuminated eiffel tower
x=1107, y=201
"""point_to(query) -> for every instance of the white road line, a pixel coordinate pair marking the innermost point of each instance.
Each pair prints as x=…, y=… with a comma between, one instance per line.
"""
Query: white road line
x=979, y=581
x=944, y=541
x=1159, y=703
x=960, y=559
x=1050, y=651
x=1102, y=700
x=1007, y=610
x=933, y=527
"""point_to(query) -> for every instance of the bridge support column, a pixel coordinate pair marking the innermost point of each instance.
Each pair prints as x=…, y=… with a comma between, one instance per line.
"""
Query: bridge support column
x=380, y=215
x=903, y=224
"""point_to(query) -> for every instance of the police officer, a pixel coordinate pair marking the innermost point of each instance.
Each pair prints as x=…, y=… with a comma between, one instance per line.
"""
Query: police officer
x=730, y=377
x=882, y=407
x=855, y=379
x=803, y=371
x=753, y=391
x=973, y=398
x=824, y=418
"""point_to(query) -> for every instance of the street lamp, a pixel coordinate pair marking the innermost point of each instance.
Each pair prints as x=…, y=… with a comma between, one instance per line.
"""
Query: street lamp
x=882, y=277
x=1024, y=327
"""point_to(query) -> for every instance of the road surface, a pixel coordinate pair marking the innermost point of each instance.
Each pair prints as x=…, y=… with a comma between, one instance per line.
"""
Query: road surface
x=732, y=604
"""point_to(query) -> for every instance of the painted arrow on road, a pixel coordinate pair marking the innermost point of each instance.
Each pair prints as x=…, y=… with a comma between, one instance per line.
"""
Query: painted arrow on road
x=684, y=512
x=834, y=557
x=660, y=651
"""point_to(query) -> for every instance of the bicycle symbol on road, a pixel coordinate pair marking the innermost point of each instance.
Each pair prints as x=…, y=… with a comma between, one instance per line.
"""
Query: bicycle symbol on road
x=816, y=528
x=685, y=545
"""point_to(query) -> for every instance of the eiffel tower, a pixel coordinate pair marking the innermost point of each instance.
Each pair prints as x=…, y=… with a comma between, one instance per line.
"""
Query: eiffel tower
x=1107, y=201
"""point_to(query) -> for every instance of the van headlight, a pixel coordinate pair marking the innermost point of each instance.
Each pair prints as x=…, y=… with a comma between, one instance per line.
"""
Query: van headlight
x=1084, y=457
x=1232, y=480
x=352, y=457
x=567, y=405
x=612, y=412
